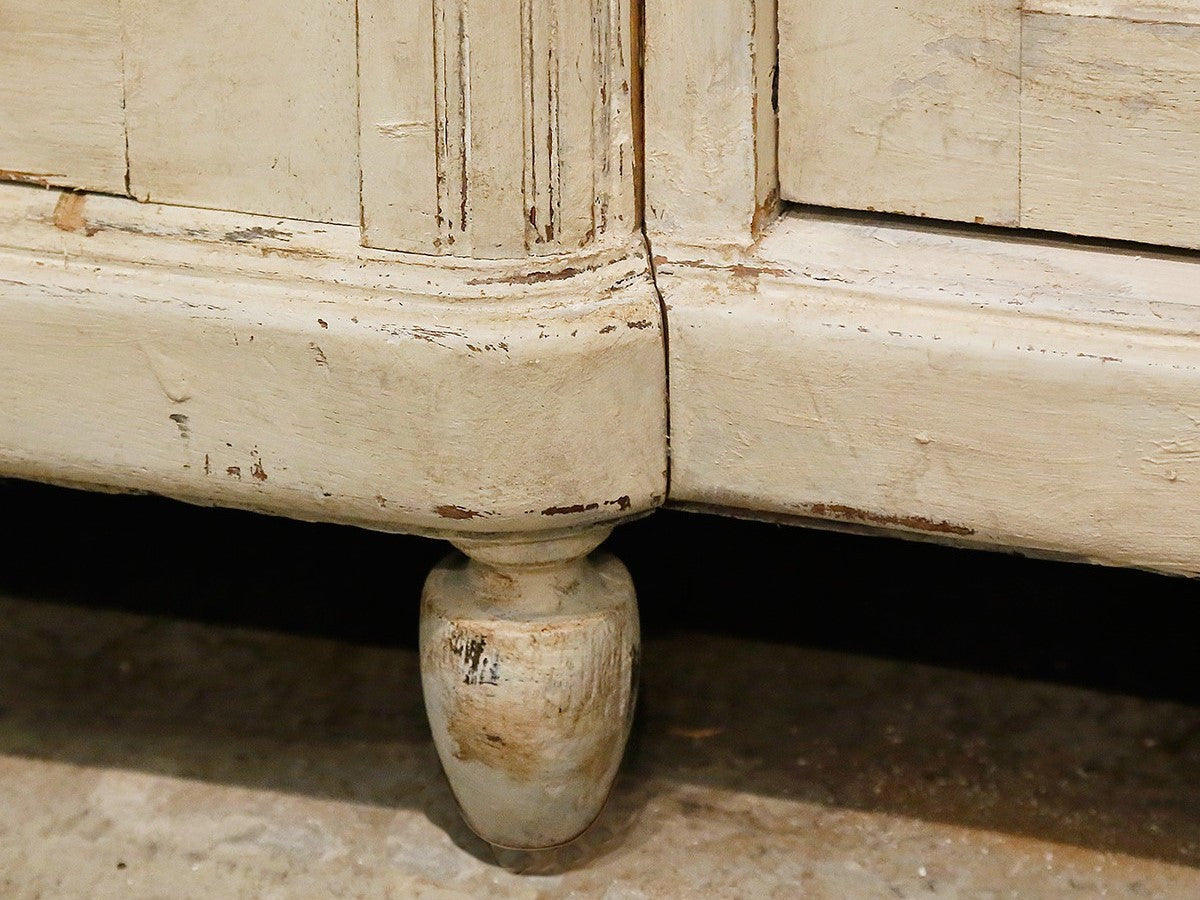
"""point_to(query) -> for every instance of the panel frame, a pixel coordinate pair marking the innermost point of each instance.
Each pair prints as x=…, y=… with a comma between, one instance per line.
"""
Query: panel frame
x=954, y=384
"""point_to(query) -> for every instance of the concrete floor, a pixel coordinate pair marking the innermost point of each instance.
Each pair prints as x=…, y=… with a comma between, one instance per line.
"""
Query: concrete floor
x=150, y=757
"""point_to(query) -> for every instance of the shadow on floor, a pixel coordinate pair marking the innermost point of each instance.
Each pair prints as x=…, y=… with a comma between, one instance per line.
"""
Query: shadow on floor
x=111, y=660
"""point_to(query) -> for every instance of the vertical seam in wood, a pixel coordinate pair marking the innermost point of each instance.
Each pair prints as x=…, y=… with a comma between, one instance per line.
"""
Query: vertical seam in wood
x=125, y=96
x=554, y=79
x=529, y=169
x=1020, y=112
x=441, y=122
x=358, y=118
x=638, y=60
x=464, y=93
x=637, y=108
x=754, y=89
x=601, y=110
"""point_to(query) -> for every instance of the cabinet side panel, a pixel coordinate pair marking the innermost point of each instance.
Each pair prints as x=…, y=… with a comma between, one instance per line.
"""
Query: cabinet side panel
x=61, y=116
x=246, y=107
x=908, y=107
x=1111, y=133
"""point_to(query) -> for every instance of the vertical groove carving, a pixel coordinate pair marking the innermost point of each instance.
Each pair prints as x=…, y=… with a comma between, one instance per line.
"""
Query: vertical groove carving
x=532, y=135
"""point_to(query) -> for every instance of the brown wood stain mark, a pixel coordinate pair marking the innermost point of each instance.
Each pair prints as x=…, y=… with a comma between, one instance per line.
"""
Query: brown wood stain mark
x=623, y=503
x=257, y=472
x=539, y=277
x=568, y=510
x=765, y=212
x=234, y=472
x=458, y=512
x=844, y=513
x=68, y=214
x=737, y=270
x=640, y=324
x=532, y=277
x=41, y=179
x=256, y=233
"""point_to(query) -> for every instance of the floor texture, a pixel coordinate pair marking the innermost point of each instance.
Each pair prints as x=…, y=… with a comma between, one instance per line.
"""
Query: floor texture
x=149, y=751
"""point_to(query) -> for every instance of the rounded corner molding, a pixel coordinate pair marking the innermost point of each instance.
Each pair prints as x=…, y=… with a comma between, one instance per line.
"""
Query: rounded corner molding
x=278, y=366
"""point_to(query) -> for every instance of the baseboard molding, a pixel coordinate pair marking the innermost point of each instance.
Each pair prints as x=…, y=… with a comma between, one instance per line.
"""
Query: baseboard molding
x=934, y=381
x=276, y=365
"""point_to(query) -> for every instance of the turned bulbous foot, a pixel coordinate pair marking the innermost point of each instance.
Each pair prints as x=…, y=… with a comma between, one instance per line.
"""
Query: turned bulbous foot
x=529, y=659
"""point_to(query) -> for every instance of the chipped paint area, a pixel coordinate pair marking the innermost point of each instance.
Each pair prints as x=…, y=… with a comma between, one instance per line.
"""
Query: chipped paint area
x=530, y=681
x=459, y=513
x=842, y=513
x=478, y=666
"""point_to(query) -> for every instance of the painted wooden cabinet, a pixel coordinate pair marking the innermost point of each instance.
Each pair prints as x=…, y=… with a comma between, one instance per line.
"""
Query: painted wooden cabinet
x=1079, y=116
x=446, y=266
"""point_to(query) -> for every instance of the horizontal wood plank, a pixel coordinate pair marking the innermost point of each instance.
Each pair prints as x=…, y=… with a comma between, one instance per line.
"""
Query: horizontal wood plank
x=962, y=388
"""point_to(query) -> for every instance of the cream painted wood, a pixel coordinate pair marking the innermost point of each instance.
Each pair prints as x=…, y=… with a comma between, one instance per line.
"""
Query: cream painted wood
x=400, y=129
x=529, y=661
x=907, y=106
x=1111, y=122
x=61, y=115
x=244, y=106
x=273, y=365
x=710, y=126
x=496, y=128
x=1067, y=115
x=501, y=383
x=966, y=388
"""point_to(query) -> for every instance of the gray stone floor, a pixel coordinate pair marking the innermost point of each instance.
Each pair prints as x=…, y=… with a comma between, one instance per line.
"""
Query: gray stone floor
x=150, y=757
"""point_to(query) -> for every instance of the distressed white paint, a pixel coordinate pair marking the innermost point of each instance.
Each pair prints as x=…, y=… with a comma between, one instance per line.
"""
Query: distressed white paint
x=496, y=128
x=975, y=389
x=906, y=106
x=1079, y=116
x=244, y=106
x=1145, y=11
x=529, y=665
x=710, y=124
x=269, y=364
x=1111, y=126
x=61, y=116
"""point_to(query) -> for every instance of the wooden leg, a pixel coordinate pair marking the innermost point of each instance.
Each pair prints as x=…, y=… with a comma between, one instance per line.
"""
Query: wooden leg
x=529, y=662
